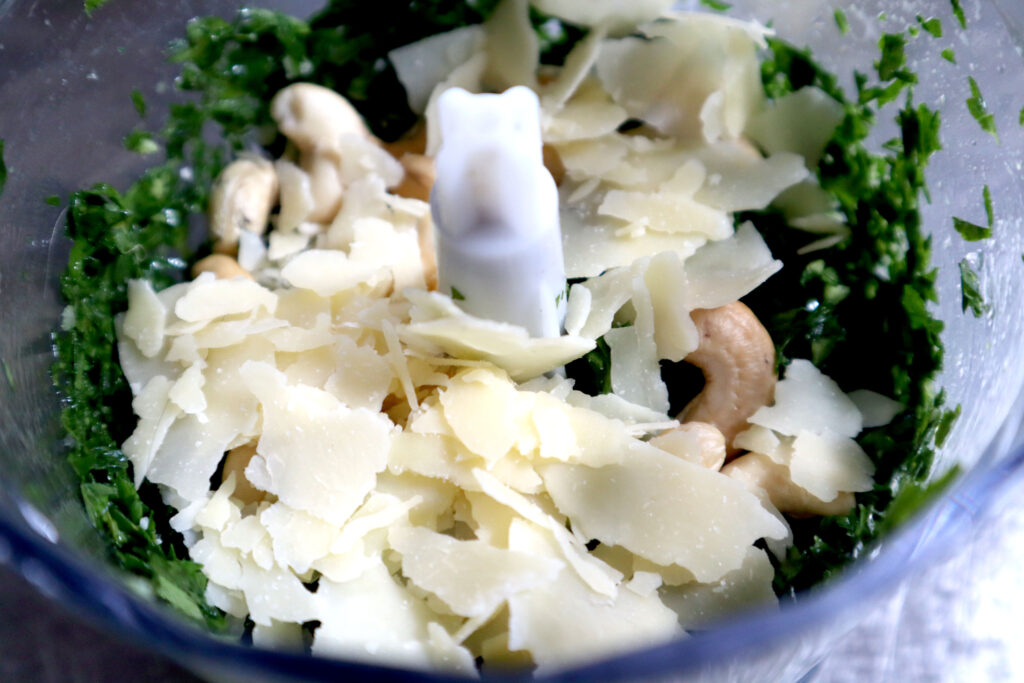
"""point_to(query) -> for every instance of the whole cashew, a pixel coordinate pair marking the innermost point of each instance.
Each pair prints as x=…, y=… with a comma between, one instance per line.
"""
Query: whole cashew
x=419, y=177
x=738, y=360
x=236, y=461
x=222, y=266
x=698, y=442
x=314, y=117
x=759, y=472
x=242, y=197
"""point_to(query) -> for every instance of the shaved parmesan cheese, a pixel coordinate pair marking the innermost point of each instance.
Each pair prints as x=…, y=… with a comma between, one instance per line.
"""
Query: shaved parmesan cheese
x=722, y=272
x=207, y=299
x=562, y=621
x=670, y=213
x=429, y=455
x=508, y=346
x=666, y=78
x=583, y=120
x=422, y=65
x=314, y=454
x=604, y=12
x=636, y=374
x=146, y=317
x=512, y=47
x=361, y=377
x=187, y=392
x=877, y=410
x=327, y=272
x=299, y=539
x=748, y=586
x=807, y=400
x=578, y=65
x=156, y=414
x=377, y=244
x=740, y=179
x=471, y=577
x=826, y=465
x=484, y=412
x=760, y=440
x=601, y=578
x=665, y=509
x=802, y=122
x=279, y=636
x=296, y=196
x=592, y=245
x=467, y=76
x=675, y=334
x=285, y=244
x=371, y=618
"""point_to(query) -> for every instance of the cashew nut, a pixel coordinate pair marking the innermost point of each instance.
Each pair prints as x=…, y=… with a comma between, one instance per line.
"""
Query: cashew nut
x=758, y=472
x=419, y=177
x=698, y=442
x=413, y=142
x=236, y=461
x=738, y=360
x=314, y=117
x=222, y=266
x=243, y=195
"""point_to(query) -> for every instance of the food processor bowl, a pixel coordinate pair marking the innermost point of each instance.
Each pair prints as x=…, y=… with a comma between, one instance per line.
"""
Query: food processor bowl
x=65, y=84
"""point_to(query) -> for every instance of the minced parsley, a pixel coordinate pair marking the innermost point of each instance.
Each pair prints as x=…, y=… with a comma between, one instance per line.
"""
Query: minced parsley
x=970, y=291
x=976, y=105
x=972, y=232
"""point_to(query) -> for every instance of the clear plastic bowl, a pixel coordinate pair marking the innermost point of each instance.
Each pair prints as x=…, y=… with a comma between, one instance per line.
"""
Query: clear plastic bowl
x=65, y=81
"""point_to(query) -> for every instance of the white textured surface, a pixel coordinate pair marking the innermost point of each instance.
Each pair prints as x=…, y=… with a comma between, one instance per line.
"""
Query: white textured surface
x=955, y=621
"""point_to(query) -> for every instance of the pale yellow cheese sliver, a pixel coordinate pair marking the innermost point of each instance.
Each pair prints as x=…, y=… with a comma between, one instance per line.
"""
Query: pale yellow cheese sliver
x=207, y=299
x=747, y=587
x=826, y=465
x=146, y=318
x=563, y=621
x=472, y=577
x=315, y=454
x=665, y=509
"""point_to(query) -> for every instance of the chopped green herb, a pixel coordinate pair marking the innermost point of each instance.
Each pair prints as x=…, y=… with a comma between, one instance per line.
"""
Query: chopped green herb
x=970, y=291
x=958, y=12
x=841, y=21
x=894, y=57
x=946, y=425
x=593, y=372
x=116, y=237
x=989, y=212
x=1020, y=117
x=139, y=102
x=141, y=142
x=91, y=5
x=876, y=284
x=949, y=55
x=457, y=295
x=716, y=5
x=932, y=25
x=976, y=105
x=971, y=232
x=52, y=200
x=916, y=495
x=8, y=374
x=3, y=168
